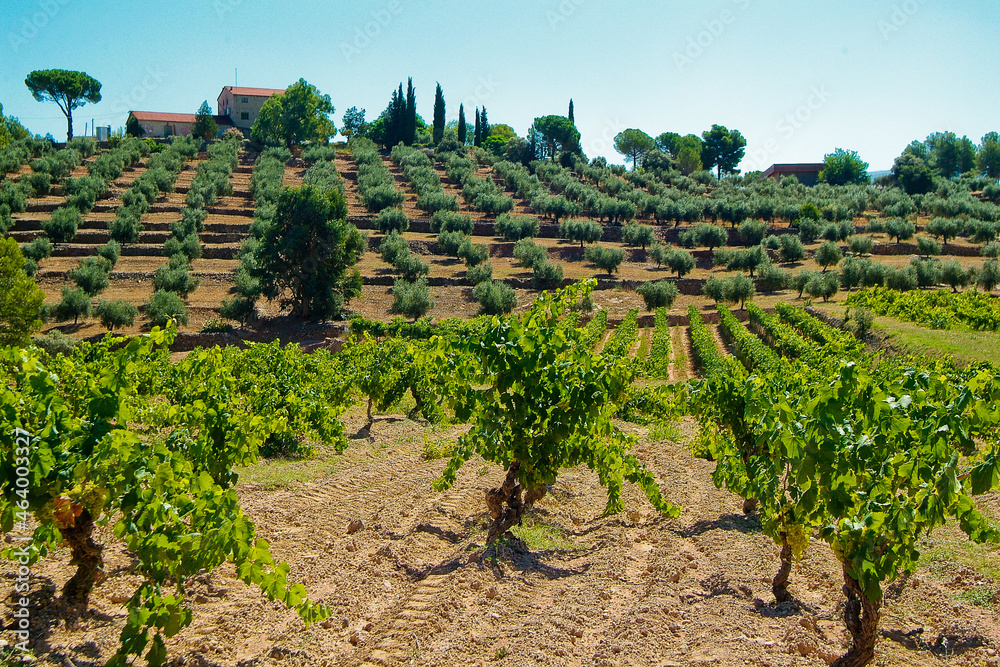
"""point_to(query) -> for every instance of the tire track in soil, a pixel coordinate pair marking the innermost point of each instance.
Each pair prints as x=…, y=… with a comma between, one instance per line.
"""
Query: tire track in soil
x=720, y=340
x=633, y=352
x=604, y=340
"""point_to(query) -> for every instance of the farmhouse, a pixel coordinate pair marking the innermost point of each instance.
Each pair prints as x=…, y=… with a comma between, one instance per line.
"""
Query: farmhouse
x=238, y=107
x=155, y=124
x=808, y=174
x=242, y=105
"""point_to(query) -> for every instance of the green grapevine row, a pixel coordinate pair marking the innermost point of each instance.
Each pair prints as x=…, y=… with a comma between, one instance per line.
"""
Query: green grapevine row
x=624, y=336
x=658, y=362
x=938, y=309
x=594, y=330
x=750, y=350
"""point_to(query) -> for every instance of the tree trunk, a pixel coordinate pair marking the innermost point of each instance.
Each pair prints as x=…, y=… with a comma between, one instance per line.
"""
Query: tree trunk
x=86, y=555
x=69, y=127
x=505, y=503
x=780, y=583
x=861, y=618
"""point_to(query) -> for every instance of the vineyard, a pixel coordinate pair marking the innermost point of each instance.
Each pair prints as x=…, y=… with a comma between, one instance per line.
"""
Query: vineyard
x=375, y=403
x=747, y=469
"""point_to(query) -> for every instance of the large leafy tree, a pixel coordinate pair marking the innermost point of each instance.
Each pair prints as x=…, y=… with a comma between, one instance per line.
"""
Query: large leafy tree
x=634, y=145
x=354, y=123
x=912, y=172
x=722, y=148
x=204, y=126
x=557, y=134
x=68, y=89
x=439, y=115
x=20, y=298
x=988, y=158
x=306, y=255
x=669, y=143
x=844, y=167
x=950, y=155
x=298, y=115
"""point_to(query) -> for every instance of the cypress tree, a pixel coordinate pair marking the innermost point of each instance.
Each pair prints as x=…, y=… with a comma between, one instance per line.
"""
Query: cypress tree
x=484, y=126
x=477, y=139
x=410, y=128
x=463, y=130
x=399, y=116
x=439, y=114
x=572, y=117
x=391, y=130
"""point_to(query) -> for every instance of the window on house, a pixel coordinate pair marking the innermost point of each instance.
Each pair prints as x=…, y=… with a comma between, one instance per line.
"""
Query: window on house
x=245, y=115
x=244, y=100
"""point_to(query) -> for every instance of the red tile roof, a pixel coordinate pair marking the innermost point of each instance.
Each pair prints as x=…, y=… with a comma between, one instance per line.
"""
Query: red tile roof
x=159, y=117
x=254, y=92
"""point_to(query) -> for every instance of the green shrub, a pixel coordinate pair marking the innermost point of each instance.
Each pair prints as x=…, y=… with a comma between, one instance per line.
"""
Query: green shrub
x=393, y=246
x=239, y=309
x=412, y=299
x=74, y=305
x=54, y=342
x=164, y=306
x=110, y=251
x=904, y=279
x=928, y=271
x=411, y=266
x=381, y=197
x=516, y=227
x=473, y=253
x=927, y=246
x=116, y=314
x=752, y=232
x=528, y=254
x=604, y=258
x=658, y=294
x=792, y=249
x=175, y=276
x=546, y=274
x=62, y=226
x=634, y=234
x=452, y=221
x=392, y=220
x=450, y=242
x=860, y=244
x=479, y=273
x=91, y=276
x=38, y=249
x=126, y=226
x=189, y=246
x=584, y=231
x=495, y=298
x=436, y=202
x=772, y=278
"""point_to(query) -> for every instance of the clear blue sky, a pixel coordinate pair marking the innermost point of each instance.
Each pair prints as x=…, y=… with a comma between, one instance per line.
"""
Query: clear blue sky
x=798, y=79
